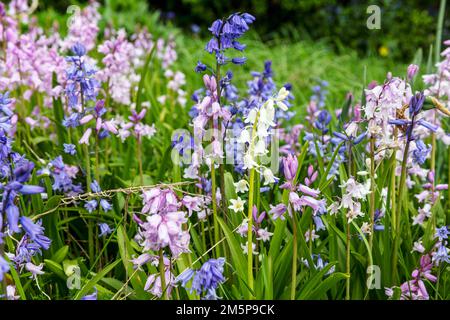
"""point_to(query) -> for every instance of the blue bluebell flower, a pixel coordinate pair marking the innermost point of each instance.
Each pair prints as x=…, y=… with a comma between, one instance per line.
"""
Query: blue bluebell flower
x=92, y=296
x=35, y=232
x=4, y=267
x=81, y=85
x=322, y=121
x=5, y=103
x=441, y=255
x=105, y=229
x=62, y=181
x=415, y=106
x=206, y=279
x=70, y=148
x=421, y=152
x=195, y=28
x=185, y=277
x=106, y=205
x=71, y=121
x=91, y=205
x=320, y=93
x=200, y=67
x=225, y=34
x=239, y=61
x=378, y=226
x=442, y=233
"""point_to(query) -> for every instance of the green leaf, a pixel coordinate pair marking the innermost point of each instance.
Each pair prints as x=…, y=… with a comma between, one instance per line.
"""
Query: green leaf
x=325, y=285
x=61, y=254
x=55, y=268
x=239, y=259
x=91, y=283
x=126, y=251
x=313, y=283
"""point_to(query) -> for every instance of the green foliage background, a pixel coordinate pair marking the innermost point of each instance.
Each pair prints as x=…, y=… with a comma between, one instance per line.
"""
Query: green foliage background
x=405, y=24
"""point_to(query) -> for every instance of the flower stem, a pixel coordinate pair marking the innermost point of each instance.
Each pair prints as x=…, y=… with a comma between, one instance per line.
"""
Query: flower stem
x=294, y=258
x=398, y=212
x=347, y=254
x=162, y=274
x=3, y=284
x=97, y=161
x=139, y=158
x=448, y=182
x=88, y=188
x=347, y=264
x=250, y=232
x=372, y=190
x=221, y=165
x=214, y=204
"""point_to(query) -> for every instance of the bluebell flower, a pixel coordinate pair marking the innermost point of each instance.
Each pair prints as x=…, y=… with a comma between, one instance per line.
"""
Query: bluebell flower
x=442, y=233
x=95, y=187
x=91, y=205
x=81, y=85
x=92, y=296
x=322, y=121
x=248, y=18
x=378, y=226
x=12, y=214
x=62, y=181
x=216, y=27
x=13, y=188
x=239, y=46
x=79, y=50
x=200, y=67
x=441, y=255
x=71, y=121
x=225, y=34
x=195, y=28
x=354, y=140
x=35, y=232
x=319, y=264
x=4, y=267
x=106, y=206
x=5, y=103
x=421, y=152
x=239, y=61
x=318, y=222
x=314, y=145
x=105, y=229
x=206, y=279
x=415, y=106
x=185, y=276
x=320, y=93
x=182, y=142
x=212, y=45
x=70, y=148
x=25, y=250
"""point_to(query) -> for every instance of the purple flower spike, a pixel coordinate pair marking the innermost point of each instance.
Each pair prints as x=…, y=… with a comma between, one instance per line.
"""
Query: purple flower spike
x=290, y=166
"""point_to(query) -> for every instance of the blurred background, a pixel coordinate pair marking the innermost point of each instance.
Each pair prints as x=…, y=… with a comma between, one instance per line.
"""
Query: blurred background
x=307, y=40
x=406, y=25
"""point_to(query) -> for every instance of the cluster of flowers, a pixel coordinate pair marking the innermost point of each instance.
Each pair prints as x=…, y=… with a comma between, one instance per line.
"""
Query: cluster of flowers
x=16, y=171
